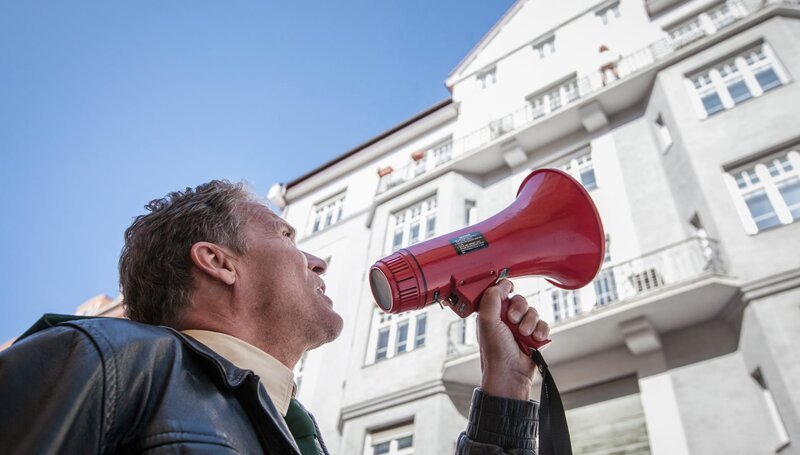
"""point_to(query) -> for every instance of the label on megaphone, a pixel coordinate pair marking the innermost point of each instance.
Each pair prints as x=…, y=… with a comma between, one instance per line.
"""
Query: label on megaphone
x=469, y=242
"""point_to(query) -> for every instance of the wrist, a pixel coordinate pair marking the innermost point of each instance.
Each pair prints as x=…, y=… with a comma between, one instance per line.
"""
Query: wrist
x=514, y=386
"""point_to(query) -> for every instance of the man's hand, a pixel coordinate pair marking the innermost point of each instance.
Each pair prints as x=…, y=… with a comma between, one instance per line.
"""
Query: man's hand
x=507, y=371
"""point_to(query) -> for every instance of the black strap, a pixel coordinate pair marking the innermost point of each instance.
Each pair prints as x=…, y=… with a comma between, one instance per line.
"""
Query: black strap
x=553, y=430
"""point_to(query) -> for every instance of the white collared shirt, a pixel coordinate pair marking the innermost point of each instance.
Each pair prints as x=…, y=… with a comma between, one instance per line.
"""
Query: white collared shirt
x=276, y=377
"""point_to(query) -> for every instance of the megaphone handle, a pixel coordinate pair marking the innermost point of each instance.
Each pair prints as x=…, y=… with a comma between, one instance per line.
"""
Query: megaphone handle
x=526, y=343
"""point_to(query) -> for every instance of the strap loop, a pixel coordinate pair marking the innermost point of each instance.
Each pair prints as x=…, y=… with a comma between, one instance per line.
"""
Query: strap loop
x=553, y=430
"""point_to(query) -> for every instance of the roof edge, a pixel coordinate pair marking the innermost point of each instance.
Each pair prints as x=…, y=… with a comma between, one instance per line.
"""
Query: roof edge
x=441, y=104
x=487, y=38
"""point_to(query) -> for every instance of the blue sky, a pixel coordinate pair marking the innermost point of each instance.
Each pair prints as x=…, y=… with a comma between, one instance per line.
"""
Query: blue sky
x=107, y=105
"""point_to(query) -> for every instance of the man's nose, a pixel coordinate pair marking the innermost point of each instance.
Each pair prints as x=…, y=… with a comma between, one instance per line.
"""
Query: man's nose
x=316, y=264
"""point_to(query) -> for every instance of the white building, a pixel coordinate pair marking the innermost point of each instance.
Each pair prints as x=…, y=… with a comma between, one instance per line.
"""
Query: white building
x=689, y=143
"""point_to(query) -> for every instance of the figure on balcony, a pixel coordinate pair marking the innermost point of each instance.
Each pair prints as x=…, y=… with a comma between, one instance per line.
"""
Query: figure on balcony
x=608, y=62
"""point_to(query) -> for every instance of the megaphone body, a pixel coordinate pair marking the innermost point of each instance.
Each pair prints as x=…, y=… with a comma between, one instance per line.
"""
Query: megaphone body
x=552, y=230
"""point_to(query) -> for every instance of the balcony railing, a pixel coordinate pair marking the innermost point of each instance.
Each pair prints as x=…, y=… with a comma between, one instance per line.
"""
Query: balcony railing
x=704, y=24
x=666, y=268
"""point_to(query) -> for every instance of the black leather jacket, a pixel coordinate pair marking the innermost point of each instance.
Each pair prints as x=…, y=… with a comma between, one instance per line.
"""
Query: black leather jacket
x=116, y=386
x=100, y=385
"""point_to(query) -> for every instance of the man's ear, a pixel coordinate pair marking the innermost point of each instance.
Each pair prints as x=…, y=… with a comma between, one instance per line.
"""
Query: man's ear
x=214, y=261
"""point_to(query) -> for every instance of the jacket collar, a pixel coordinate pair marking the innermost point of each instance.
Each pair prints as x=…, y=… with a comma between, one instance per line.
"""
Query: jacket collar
x=234, y=378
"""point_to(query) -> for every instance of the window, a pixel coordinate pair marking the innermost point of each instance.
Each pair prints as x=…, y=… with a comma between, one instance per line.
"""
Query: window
x=413, y=224
x=747, y=75
x=582, y=170
x=545, y=47
x=465, y=331
x=393, y=441
x=706, y=23
x=487, y=78
x=566, y=304
x=605, y=285
x=608, y=13
x=767, y=193
x=327, y=212
x=772, y=407
x=470, y=212
x=553, y=99
x=441, y=153
x=664, y=136
x=501, y=126
x=395, y=334
x=686, y=33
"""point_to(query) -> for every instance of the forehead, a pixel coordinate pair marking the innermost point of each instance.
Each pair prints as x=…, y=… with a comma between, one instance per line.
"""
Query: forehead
x=260, y=215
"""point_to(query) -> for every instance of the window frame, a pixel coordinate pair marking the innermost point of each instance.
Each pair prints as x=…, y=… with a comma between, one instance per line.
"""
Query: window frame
x=401, y=221
x=603, y=12
x=717, y=78
x=487, y=78
x=390, y=325
x=392, y=435
x=703, y=23
x=332, y=207
x=757, y=176
x=579, y=162
x=545, y=47
x=664, y=134
x=541, y=103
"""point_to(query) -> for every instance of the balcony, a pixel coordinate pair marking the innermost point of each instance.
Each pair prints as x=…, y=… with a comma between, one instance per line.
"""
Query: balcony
x=638, y=67
x=673, y=287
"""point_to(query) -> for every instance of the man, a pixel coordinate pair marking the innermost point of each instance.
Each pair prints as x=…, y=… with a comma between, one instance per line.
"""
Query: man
x=224, y=305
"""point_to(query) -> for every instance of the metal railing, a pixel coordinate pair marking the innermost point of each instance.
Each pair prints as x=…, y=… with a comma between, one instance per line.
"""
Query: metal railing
x=662, y=269
x=587, y=85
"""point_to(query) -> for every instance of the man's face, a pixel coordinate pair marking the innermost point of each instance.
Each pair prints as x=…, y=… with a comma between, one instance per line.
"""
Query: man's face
x=285, y=282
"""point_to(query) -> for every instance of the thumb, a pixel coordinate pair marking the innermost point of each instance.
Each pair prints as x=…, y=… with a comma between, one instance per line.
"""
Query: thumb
x=489, y=310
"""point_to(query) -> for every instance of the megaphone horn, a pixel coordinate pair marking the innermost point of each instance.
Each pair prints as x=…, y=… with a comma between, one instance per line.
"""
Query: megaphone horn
x=552, y=229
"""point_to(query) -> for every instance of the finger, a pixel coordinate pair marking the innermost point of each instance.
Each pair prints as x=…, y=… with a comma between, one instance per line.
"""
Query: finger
x=542, y=331
x=529, y=321
x=517, y=308
x=490, y=302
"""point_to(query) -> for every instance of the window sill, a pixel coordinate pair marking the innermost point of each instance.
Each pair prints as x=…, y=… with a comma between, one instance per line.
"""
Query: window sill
x=773, y=228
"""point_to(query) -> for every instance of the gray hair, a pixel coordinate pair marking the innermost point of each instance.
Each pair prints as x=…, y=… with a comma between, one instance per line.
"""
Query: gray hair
x=155, y=267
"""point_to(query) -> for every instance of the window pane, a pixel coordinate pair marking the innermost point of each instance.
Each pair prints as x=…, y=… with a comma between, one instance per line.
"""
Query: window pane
x=402, y=336
x=768, y=79
x=790, y=190
x=397, y=241
x=761, y=210
x=419, y=340
x=414, y=233
x=430, y=229
x=380, y=449
x=555, y=100
x=605, y=287
x=739, y=91
x=588, y=179
x=383, y=344
x=712, y=103
x=402, y=443
x=556, y=306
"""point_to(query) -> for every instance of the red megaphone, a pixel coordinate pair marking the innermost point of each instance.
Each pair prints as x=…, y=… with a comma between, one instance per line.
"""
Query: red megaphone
x=552, y=229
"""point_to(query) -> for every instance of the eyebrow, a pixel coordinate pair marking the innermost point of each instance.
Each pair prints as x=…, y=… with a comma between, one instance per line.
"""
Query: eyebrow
x=292, y=230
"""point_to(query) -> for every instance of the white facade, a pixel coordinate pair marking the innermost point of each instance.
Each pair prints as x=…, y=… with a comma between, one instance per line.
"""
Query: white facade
x=686, y=132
